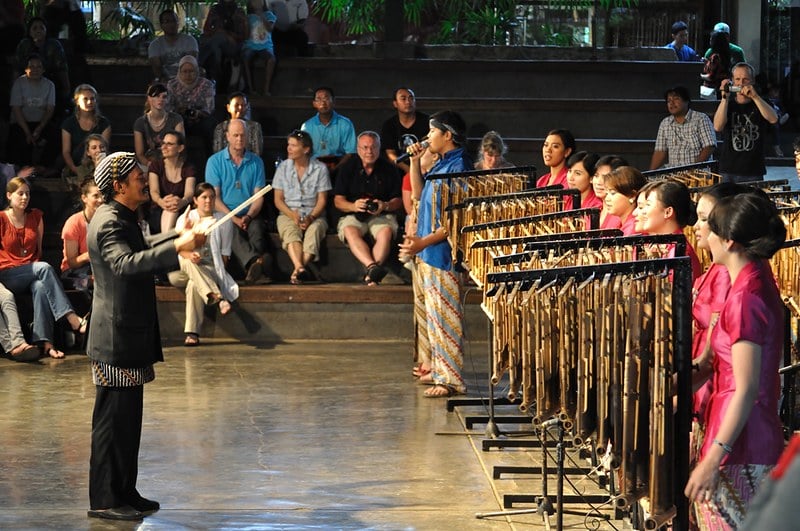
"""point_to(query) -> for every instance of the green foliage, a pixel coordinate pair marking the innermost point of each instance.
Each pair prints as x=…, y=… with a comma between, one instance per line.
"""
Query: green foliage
x=131, y=22
x=365, y=16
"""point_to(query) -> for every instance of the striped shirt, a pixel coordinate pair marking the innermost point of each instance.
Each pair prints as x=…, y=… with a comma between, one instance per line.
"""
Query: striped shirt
x=106, y=375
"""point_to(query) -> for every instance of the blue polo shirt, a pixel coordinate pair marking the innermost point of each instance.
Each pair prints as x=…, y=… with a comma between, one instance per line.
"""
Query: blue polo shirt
x=337, y=138
x=236, y=183
x=686, y=53
x=429, y=217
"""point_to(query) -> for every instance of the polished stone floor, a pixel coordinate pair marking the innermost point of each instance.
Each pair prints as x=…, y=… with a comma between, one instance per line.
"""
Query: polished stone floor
x=300, y=435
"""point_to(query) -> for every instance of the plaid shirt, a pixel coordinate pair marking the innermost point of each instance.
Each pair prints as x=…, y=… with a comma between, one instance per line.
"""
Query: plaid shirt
x=683, y=142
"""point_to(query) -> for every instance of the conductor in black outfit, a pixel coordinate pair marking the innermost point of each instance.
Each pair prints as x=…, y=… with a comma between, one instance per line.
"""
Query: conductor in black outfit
x=124, y=340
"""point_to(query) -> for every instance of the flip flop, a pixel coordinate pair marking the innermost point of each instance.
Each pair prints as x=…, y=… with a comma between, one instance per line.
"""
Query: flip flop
x=439, y=391
x=27, y=354
x=192, y=340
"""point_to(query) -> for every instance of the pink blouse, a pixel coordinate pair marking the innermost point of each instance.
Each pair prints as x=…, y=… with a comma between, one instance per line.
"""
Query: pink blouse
x=561, y=179
x=753, y=312
x=709, y=293
x=610, y=222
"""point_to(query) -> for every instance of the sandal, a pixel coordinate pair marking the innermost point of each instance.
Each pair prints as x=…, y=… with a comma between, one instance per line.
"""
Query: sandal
x=25, y=353
x=192, y=340
x=54, y=353
x=375, y=273
x=419, y=371
x=439, y=391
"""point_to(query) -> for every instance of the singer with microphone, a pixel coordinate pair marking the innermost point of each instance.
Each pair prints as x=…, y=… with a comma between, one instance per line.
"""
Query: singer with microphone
x=443, y=309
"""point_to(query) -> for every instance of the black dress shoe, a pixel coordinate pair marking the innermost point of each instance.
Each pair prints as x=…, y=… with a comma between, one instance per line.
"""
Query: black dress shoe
x=143, y=505
x=126, y=512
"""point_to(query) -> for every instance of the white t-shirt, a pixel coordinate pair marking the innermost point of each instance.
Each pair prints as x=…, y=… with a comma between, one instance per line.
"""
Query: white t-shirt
x=170, y=54
x=32, y=97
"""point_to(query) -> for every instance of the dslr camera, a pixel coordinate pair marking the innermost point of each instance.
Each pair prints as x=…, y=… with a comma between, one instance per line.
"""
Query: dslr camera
x=372, y=205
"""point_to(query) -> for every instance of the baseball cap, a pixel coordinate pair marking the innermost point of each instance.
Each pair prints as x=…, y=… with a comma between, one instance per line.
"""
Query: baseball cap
x=721, y=27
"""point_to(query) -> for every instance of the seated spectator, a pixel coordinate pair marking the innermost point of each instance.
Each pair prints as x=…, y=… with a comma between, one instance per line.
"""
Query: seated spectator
x=557, y=147
x=605, y=165
x=86, y=120
x=150, y=128
x=367, y=192
x=333, y=135
x=301, y=186
x=12, y=340
x=224, y=31
x=260, y=22
x=171, y=180
x=96, y=149
x=76, y=272
x=680, y=36
x=405, y=128
x=492, y=153
x=236, y=175
x=53, y=58
x=23, y=271
x=202, y=272
x=239, y=109
x=58, y=13
x=685, y=136
x=579, y=177
x=192, y=96
x=289, y=35
x=166, y=51
x=32, y=138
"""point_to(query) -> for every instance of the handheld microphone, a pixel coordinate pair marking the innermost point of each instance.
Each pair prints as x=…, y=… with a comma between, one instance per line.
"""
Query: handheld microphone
x=405, y=156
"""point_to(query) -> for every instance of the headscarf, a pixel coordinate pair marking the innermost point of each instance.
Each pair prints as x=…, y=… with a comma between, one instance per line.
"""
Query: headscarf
x=188, y=59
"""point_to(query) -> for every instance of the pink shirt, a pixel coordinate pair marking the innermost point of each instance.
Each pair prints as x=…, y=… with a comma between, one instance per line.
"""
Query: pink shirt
x=628, y=227
x=561, y=179
x=74, y=230
x=709, y=294
x=753, y=312
x=610, y=222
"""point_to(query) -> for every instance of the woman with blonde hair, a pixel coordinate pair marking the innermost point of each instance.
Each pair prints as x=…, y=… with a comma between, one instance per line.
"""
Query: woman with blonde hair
x=85, y=121
x=492, y=152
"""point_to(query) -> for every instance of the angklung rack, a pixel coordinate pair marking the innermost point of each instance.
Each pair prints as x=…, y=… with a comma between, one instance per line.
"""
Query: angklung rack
x=692, y=175
x=650, y=319
x=555, y=190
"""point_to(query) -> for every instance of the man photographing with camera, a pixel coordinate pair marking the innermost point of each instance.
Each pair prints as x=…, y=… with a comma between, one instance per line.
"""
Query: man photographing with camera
x=367, y=193
x=743, y=118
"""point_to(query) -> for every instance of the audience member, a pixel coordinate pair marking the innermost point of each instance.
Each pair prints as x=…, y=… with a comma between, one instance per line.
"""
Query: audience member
x=192, y=96
x=76, y=272
x=579, y=177
x=150, y=128
x=367, y=192
x=557, y=147
x=239, y=109
x=605, y=165
x=736, y=54
x=680, y=37
x=685, y=136
x=743, y=118
x=622, y=187
x=443, y=308
x=58, y=13
x=23, y=271
x=492, y=153
x=301, y=186
x=53, y=58
x=237, y=174
x=171, y=180
x=743, y=432
x=96, y=149
x=202, y=271
x=33, y=138
x=717, y=66
x=405, y=128
x=289, y=34
x=86, y=120
x=260, y=22
x=166, y=51
x=668, y=210
x=125, y=342
x=12, y=340
x=224, y=31
x=333, y=135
